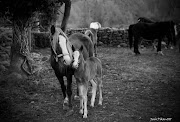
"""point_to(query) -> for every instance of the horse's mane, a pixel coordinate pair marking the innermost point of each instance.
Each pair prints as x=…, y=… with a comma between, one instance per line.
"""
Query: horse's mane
x=56, y=31
x=85, y=41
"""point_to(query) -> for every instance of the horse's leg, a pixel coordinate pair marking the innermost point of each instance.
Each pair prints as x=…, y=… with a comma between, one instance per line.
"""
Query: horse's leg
x=95, y=43
x=63, y=87
x=76, y=96
x=61, y=81
x=69, y=89
x=154, y=45
x=100, y=90
x=95, y=49
x=80, y=88
x=136, y=51
x=85, y=90
x=94, y=89
x=170, y=41
x=159, y=47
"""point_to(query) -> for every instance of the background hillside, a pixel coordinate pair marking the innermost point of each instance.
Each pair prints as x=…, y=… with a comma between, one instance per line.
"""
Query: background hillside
x=120, y=13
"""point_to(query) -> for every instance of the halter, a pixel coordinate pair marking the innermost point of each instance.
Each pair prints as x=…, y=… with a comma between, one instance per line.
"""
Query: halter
x=56, y=56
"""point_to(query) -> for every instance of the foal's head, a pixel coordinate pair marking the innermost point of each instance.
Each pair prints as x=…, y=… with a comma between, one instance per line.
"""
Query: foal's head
x=60, y=45
x=77, y=57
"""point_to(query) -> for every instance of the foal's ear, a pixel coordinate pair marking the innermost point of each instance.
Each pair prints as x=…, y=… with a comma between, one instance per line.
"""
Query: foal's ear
x=53, y=29
x=73, y=49
x=81, y=48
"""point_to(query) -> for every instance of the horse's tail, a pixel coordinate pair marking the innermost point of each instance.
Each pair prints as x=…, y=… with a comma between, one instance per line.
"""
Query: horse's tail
x=89, y=34
x=130, y=35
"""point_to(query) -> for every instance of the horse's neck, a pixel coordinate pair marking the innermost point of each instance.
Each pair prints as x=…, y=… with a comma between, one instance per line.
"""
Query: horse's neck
x=94, y=31
x=82, y=63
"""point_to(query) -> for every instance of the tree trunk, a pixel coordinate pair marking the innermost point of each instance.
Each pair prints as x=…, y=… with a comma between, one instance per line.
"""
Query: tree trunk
x=19, y=50
x=29, y=38
x=66, y=14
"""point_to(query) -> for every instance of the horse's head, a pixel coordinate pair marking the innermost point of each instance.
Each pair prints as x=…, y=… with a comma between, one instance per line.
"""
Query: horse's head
x=60, y=45
x=145, y=20
x=95, y=25
x=77, y=57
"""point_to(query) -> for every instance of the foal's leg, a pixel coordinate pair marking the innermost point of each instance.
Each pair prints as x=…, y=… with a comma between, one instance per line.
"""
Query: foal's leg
x=76, y=96
x=100, y=90
x=80, y=88
x=85, y=90
x=94, y=89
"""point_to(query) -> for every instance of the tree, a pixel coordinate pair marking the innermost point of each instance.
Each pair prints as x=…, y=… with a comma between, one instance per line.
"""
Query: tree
x=20, y=12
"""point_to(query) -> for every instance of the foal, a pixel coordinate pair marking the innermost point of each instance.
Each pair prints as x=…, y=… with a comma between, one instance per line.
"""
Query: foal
x=85, y=73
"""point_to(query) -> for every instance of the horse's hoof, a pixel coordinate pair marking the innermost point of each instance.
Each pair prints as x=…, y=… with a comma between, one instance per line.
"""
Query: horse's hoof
x=100, y=103
x=84, y=116
x=81, y=111
x=160, y=52
x=137, y=54
x=65, y=106
x=70, y=112
x=92, y=105
x=76, y=97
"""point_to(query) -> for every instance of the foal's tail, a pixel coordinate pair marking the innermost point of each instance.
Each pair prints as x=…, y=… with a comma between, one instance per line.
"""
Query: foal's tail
x=130, y=35
x=90, y=34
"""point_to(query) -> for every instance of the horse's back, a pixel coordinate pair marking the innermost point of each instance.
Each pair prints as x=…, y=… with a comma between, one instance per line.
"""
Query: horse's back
x=94, y=65
x=148, y=30
x=78, y=40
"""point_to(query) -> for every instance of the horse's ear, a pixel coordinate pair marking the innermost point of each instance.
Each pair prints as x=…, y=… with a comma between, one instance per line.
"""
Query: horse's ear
x=73, y=49
x=81, y=48
x=53, y=29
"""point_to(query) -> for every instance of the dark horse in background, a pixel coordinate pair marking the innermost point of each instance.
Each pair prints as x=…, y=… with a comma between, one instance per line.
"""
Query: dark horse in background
x=150, y=31
x=61, y=59
x=172, y=30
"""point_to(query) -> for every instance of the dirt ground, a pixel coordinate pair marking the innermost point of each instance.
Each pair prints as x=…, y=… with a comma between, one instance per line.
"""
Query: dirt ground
x=135, y=89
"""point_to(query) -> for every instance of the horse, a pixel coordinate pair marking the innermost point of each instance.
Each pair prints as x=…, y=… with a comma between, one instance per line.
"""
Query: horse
x=92, y=33
x=61, y=59
x=172, y=28
x=150, y=31
x=85, y=72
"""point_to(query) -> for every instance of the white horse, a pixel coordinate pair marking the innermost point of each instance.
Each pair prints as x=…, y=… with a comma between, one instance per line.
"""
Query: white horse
x=92, y=33
x=95, y=25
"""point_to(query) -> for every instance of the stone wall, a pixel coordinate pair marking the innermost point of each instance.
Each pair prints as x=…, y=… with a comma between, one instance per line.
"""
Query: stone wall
x=107, y=36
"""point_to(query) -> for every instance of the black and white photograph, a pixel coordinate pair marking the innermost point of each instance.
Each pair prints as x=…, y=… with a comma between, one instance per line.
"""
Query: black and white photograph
x=89, y=60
